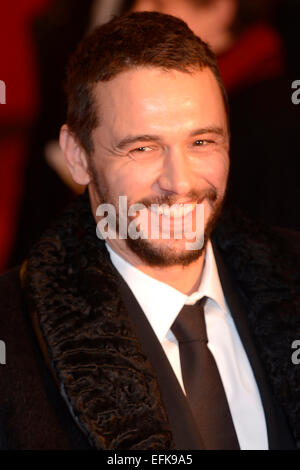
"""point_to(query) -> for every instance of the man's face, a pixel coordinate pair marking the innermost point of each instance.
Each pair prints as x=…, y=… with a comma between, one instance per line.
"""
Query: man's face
x=162, y=138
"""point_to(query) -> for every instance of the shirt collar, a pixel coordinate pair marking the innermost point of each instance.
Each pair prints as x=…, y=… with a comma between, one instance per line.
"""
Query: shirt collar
x=162, y=308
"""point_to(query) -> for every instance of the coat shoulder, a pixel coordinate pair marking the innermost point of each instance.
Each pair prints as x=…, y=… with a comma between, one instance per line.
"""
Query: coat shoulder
x=29, y=397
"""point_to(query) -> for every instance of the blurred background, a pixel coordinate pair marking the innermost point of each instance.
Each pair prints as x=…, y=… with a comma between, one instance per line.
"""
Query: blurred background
x=256, y=42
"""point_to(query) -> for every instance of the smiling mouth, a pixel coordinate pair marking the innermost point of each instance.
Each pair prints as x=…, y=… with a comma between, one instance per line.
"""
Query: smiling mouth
x=174, y=211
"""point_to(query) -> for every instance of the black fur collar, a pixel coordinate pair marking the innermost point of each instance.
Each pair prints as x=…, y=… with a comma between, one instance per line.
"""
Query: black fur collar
x=91, y=345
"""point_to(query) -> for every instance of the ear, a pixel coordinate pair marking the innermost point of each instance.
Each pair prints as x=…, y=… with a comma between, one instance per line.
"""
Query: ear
x=75, y=157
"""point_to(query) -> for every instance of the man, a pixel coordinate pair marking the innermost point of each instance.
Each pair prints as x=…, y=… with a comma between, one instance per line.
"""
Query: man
x=147, y=121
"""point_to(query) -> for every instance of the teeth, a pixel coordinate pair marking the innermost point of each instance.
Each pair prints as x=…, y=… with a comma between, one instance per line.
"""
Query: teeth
x=188, y=208
x=177, y=210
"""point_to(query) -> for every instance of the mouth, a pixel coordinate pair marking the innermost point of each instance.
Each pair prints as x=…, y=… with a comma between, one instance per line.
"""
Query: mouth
x=177, y=221
x=177, y=210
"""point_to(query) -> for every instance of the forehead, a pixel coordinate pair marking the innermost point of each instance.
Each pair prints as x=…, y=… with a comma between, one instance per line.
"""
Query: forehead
x=152, y=96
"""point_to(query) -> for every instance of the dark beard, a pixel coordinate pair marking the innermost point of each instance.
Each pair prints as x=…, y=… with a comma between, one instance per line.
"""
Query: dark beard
x=162, y=256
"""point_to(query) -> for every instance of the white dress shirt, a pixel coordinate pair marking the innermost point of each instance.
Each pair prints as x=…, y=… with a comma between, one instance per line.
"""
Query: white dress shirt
x=162, y=308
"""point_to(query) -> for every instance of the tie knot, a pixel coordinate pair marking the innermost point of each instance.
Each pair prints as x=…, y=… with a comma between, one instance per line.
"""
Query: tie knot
x=190, y=323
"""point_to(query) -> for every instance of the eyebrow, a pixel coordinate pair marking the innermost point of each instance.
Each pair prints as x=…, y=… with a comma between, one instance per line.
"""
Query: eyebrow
x=209, y=130
x=137, y=138
x=156, y=138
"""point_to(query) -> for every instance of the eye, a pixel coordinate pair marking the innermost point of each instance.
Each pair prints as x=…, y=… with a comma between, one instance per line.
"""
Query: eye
x=202, y=142
x=142, y=149
x=143, y=152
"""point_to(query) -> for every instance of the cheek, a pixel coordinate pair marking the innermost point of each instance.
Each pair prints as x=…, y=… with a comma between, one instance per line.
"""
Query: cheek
x=132, y=180
x=217, y=171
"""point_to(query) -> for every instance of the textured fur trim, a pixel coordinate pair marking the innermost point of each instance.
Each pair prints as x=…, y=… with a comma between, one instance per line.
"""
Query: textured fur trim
x=109, y=385
x=107, y=381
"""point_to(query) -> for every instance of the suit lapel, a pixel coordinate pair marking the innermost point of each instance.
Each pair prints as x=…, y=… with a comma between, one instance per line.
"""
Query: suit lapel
x=185, y=432
x=279, y=435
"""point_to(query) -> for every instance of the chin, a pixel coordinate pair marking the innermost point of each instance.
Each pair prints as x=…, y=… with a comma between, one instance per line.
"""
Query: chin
x=172, y=252
x=164, y=252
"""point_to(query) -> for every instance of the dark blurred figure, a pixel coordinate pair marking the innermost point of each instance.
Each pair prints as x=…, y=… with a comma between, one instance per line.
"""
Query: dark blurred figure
x=56, y=33
x=265, y=124
x=18, y=70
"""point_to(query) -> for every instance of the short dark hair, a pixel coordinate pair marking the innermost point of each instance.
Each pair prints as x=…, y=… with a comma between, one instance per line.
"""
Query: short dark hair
x=128, y=41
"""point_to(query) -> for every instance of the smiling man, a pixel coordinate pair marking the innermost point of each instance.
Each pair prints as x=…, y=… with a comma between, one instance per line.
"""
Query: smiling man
x=145, y=343
x=164, y=145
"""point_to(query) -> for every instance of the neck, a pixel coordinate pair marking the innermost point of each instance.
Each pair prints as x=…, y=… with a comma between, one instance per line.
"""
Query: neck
x=185, y=279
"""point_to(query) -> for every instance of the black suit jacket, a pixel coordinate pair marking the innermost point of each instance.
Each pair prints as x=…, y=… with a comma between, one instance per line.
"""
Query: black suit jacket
x=185, y=431
x=84, y=368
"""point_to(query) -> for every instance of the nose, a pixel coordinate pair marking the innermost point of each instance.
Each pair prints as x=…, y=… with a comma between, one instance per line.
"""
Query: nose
x=176, y=173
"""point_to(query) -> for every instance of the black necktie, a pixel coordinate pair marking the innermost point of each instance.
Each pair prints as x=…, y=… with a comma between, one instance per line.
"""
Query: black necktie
x=202, y=381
